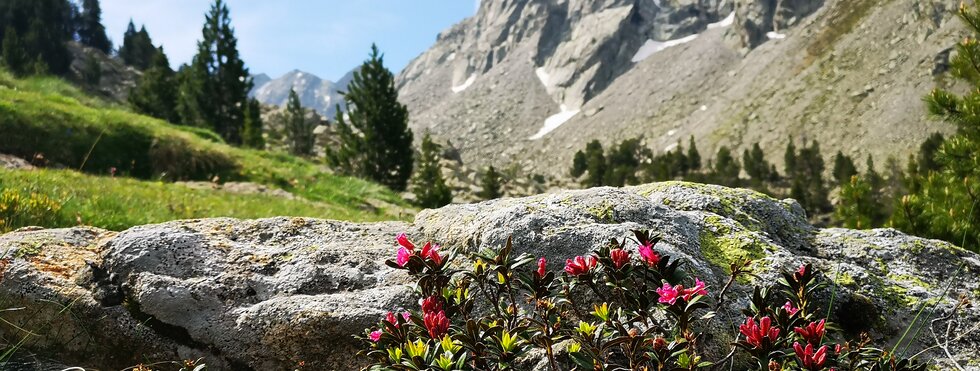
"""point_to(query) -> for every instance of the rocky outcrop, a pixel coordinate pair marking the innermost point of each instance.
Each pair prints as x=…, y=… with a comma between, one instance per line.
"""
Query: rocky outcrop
x=527, y=83
x=266, y=294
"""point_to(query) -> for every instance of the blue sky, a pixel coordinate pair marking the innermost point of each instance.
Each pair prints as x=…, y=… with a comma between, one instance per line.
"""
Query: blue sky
x=323, y=37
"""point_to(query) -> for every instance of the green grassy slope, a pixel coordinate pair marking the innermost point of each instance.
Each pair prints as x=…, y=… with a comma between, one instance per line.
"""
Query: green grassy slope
x=47, y=116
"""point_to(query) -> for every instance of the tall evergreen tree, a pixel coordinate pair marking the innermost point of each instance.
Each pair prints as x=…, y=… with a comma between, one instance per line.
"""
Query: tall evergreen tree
x=14, y=56
x=726, y=168
x=252, y=133
x=944, y=200
x=927, y=153
x=755, y=164
x=137, y=49
x=595, y=165
x=844, y=168
x=789, y=159
x=156, y=92
x=214, y=88
x=809, y=172
x=375, y=141
x=298, y=128
x=91, y=32
x=42, y=27
x=490, y=184
x=693, y=157
x=427, y=184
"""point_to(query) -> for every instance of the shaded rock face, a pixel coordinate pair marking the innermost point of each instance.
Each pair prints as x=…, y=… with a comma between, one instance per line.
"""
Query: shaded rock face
x=756, y=18
x=527, y=83
x=266, y=294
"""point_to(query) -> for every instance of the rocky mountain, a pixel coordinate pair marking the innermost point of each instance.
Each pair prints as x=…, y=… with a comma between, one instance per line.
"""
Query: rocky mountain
x=530, y=82
x=266, y=294
x=321, y=95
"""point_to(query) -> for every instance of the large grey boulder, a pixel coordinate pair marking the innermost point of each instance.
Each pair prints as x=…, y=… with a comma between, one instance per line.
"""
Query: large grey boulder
x=267, y=294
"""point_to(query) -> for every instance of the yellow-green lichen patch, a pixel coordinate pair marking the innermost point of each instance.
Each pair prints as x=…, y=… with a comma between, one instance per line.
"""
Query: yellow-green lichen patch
x=731, y=202
x=723, y=243
x=845, y=279
x=909, y=279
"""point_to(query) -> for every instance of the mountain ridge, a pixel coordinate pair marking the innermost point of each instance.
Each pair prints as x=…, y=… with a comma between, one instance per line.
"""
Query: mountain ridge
x=849, y=74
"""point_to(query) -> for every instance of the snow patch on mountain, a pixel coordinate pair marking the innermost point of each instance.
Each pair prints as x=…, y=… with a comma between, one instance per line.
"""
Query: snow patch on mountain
x=554, y=121
x=651, y=47
x=461, y=87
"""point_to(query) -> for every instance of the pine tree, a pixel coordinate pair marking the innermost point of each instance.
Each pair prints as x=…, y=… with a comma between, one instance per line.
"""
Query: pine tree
x=858, y=207
x=252, y=133
x=91, y=32
x=726, y=168
x=214, y=88
x=755, y=165
x=927, y=153
x=298, y=128
x=944, y=197
x=137, y=49
x=595, y=165
x=156, y=93
x=41, y=27
x=844, y=169
x=490, y=184
x=427, y=184
x=809, y=167
x=693, y=157
x=375, y=141
x=14, y=56
x=789, y=159
x=623, y=162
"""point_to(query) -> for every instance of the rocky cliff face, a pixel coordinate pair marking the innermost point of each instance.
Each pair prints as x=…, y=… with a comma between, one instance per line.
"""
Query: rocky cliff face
x=529, y=82
x=266, y=294
x=315, y=93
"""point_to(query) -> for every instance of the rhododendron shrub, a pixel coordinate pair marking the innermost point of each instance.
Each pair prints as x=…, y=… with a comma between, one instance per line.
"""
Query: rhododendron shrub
x=624, y=306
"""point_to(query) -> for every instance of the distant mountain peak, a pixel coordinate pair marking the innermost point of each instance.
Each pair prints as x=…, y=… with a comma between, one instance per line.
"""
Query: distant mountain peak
x=314, y=92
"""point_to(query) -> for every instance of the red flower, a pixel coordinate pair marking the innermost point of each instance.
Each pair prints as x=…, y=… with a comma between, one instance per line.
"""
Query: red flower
x=669, y=294
x=432, y=252
x=800, y=271
x=813, y=332
x=541, y=267
x=375, y=335
x=756, y=333
x=811, y=360
x=790, y=308
x=431, y=304
x=391, y=318
x=437, y=323
x=648, y=255
x=403, y=240
x=619, y=257
x=659, y=344
x=580, y=265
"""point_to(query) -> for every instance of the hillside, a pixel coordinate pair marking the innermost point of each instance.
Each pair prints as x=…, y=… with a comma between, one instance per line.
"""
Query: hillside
x=51, y=123
x=529, y=82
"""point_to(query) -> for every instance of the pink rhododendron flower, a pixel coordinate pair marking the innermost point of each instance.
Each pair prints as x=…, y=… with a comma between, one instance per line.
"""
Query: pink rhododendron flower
x=755, y=333
x=437, y=323
x=542, y=264
x=812, y=332
x=375, y=335
x=403, y=255
x=580, y=265
x=811, y=360
x=669, y=294
x=619, y=257
x=698, y=289
x=648, y=255
x=790, y=308
x=406, y=316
